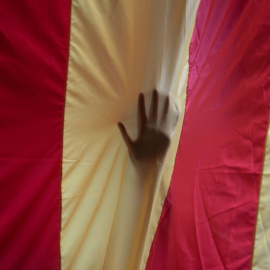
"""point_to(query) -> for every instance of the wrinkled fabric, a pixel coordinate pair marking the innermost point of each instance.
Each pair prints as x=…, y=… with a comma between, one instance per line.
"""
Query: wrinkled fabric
x=261, y=256
x=209, y=215
x=34, y=37
x=117, y=50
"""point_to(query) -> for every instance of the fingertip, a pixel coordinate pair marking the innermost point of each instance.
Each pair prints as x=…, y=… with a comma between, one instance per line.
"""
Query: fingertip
x=121, y=127
x=119, y=124
x=124, y=134
x=155, y=95
x=165, y=108
x=141, y=97
x=167, y=102
x=155, y=92
x=141, y=109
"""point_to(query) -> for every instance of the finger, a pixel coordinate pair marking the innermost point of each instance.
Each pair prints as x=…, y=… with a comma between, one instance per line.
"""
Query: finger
x=141, y=112
x=154, y=107
x=125, y=135
x=165, y=108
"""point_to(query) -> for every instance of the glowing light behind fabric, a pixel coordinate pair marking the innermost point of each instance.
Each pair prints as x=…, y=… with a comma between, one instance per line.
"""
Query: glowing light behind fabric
x=117, y=49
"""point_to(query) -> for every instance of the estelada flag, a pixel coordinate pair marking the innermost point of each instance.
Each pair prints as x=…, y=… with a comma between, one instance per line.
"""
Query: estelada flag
x=70, y=197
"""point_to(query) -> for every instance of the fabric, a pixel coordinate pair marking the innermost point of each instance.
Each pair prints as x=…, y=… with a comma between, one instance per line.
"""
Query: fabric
x=117, y=50
x=34, y=37
x=70, y=197
x=208, y=219
x=261, y=259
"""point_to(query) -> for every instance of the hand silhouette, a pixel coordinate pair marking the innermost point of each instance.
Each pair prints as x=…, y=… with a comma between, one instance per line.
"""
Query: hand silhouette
x=152, y=142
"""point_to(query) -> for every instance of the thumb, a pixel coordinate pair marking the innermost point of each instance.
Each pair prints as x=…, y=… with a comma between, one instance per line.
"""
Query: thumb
x=125, y=135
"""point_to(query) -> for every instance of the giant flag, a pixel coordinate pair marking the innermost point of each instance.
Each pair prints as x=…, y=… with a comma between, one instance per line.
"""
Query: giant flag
x=70, y=197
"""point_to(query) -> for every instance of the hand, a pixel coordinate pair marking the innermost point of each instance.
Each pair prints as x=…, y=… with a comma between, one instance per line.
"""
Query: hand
x=152, y=142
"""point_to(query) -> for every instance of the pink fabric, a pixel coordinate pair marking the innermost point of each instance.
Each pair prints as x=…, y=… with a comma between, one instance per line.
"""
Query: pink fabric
x=209, y=215
x=34, y=37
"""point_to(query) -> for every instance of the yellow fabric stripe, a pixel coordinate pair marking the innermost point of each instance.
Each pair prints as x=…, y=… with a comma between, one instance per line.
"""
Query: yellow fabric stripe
x=117, y=49
x=261, y=255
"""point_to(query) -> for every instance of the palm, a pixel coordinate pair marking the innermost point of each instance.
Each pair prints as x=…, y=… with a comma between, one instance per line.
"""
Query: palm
x=150, y=145
x=152, y=142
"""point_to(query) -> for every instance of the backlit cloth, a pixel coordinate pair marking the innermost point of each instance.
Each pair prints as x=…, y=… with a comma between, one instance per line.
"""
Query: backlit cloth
x=69, y=195
x=117, y=50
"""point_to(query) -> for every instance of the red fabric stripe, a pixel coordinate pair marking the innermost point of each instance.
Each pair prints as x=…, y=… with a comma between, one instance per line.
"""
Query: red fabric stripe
x=34, y=37
x=209, y=214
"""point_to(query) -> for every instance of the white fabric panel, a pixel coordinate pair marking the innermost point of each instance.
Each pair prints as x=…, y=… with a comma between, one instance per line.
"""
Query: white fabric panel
x=261, y=255
x=117, y=50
